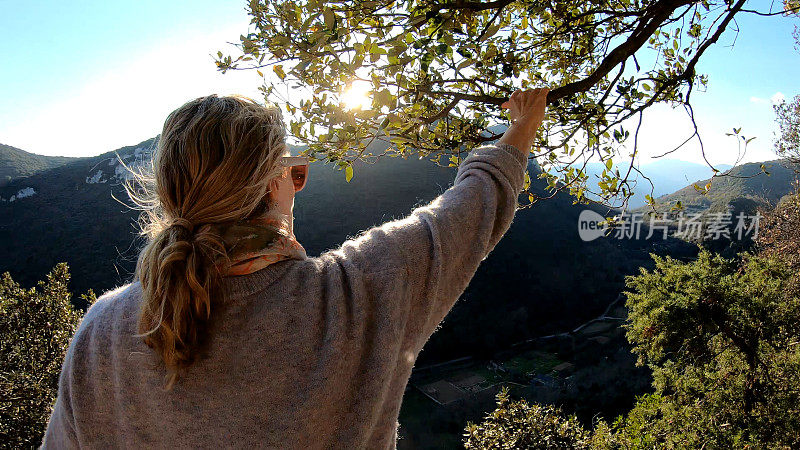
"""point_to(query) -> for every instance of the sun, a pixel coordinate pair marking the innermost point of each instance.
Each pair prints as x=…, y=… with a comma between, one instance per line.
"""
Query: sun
x=356, y=96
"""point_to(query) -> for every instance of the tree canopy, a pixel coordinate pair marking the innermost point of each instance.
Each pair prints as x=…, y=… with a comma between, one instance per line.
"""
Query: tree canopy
x=721, y=338
x=436, y=73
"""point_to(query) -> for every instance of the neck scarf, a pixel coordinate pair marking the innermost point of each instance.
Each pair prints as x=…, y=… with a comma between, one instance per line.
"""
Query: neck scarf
x=256, y=243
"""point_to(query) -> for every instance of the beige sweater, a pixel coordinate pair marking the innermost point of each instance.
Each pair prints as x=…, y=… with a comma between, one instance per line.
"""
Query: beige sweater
x=311, y=353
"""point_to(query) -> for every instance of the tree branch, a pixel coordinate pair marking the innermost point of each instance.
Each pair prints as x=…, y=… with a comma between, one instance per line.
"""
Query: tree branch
x=662, y=11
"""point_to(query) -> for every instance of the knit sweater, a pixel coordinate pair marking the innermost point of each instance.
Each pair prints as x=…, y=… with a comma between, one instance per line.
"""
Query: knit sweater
x=305, y=354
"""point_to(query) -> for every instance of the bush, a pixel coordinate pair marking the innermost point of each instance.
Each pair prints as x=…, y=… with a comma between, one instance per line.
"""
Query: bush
x=519, y=425
x=36, y=326
x=721, y=338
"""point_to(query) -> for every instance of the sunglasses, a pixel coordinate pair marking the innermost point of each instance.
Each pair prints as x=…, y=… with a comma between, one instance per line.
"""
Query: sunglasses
x=298, y=166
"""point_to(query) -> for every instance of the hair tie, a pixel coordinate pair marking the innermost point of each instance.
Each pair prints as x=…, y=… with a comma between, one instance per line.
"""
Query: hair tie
x=183, y=223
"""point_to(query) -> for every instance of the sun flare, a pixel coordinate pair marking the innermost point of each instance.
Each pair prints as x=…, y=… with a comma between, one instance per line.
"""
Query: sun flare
x=356, y=96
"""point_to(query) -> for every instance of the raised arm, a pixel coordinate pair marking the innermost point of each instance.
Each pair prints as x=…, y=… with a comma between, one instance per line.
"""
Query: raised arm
x=439, y=247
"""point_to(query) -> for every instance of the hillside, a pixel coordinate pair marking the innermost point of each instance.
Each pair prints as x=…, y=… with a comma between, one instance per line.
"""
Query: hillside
x=541, y=277
x=71, y=215
x=16, y=163
x=744, y=187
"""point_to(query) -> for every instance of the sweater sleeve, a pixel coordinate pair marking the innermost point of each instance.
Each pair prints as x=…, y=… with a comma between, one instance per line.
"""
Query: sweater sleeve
x=439, y=246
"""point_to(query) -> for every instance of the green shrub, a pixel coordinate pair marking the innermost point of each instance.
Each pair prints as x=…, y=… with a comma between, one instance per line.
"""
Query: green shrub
x=721, y=337
x=519, y=425
x=36, y=326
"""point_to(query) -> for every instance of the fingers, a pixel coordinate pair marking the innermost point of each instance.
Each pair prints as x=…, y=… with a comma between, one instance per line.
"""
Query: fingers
x=520, y=95
x=522, y=101
x=510, y=101
x=527, y=108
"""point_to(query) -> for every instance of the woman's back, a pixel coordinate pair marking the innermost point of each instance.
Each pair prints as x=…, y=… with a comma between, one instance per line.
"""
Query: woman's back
x=299, y=357
x=304, y=353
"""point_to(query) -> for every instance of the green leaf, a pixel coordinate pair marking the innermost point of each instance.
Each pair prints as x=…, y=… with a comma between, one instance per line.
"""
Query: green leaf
x=330, y=18
x=348, y=173
x=491, y=31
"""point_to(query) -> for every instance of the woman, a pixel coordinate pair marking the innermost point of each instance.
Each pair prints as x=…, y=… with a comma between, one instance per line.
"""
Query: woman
x=230, y=336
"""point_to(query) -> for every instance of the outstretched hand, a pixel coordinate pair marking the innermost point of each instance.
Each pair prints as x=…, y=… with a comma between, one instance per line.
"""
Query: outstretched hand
x=526, y=110
x=528, y=105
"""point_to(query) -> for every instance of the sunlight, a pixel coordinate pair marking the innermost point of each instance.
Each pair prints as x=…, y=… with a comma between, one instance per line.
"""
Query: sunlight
x=356, y=96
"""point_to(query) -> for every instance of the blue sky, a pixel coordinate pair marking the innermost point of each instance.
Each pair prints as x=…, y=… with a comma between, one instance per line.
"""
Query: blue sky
x=82, y=78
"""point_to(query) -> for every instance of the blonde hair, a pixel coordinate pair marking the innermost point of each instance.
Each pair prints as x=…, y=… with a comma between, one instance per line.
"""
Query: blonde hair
x=213, y=163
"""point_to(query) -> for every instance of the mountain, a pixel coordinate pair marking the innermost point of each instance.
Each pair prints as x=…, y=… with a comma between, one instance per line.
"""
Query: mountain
x=16, y=163
x=71, y=215
x=541, y=278
x=666, y=175
x=745, y=187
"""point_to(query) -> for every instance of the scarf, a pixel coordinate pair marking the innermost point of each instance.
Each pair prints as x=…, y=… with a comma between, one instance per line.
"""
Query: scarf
x=256, y=243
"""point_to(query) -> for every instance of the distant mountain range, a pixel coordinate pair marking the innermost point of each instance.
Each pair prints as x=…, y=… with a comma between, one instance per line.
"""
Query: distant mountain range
x=16, y=163
x=541, y=278
x=745, y=187
x=666, y=175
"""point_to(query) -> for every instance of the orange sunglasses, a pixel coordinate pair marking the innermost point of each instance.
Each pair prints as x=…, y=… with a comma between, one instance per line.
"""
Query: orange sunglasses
x=299, y=170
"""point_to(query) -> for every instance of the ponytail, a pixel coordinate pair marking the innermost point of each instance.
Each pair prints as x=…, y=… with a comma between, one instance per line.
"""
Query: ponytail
x=179, y=278
x=214, y=161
